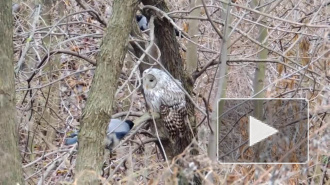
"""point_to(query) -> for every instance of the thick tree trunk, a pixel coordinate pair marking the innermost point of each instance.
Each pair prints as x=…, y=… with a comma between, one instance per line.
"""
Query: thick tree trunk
x=98, y=110
x=171, y=59
x=10, y=163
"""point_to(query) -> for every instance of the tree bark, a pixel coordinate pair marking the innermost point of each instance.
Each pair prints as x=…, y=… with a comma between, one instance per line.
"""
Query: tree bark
x=171, y=59
x=259, y=75
x=11, y=168
x=192, y=54
x=221, y=85
x=220, y=88
x=98, y=110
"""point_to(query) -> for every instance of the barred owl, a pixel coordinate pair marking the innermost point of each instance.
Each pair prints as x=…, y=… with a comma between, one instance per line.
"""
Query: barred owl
x=163, y=95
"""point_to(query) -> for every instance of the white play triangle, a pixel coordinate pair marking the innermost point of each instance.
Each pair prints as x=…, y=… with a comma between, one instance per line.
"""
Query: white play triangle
x=259, y=131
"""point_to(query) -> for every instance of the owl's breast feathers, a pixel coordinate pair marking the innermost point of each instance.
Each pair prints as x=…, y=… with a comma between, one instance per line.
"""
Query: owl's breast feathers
x=153, y=99
x=162, y=97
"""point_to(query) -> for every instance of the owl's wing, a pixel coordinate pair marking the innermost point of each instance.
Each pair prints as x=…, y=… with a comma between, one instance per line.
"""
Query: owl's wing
x=174, y=119
x=173, y=95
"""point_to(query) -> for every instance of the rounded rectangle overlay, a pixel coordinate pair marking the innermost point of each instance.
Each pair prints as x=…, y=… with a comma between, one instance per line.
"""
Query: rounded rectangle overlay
x=242, y=120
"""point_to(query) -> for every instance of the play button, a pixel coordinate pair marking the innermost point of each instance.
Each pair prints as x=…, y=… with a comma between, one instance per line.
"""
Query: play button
x=259, y=131
x=278, y=135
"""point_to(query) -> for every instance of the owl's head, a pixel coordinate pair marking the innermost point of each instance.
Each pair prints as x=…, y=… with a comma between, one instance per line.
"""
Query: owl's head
x=149, y=78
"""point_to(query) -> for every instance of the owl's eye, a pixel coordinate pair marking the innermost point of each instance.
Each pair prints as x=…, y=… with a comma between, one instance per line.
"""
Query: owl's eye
x=151, y=80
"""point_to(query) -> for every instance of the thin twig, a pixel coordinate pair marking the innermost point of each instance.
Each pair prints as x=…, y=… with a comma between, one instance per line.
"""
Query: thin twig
x=139, y=123
x=276, y=18
x=57, y=80
x=164, y=14
x=152, y=40
x=211, y=21
x=29, y=39
x=94, y=14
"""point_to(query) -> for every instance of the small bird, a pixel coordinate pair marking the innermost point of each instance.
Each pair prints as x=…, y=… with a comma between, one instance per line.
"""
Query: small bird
x=71, y=139
x=117, y=129
x=142, y=22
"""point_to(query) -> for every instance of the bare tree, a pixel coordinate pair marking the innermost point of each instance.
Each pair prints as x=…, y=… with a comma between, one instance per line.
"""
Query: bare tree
x=172, y=61
x=293, y=48
x=220, y=85
x=98, y=110
x=192, y=55
x=260, y=73
x=11, y=168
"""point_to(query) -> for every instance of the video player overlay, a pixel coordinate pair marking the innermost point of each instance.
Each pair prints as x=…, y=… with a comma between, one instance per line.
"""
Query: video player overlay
x=263, y=131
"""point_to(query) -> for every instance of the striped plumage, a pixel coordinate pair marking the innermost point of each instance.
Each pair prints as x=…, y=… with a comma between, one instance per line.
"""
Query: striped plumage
x=163, y=95
x=174, y=118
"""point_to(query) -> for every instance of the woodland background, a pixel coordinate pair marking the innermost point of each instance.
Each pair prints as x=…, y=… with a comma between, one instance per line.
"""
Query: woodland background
x=232, y=49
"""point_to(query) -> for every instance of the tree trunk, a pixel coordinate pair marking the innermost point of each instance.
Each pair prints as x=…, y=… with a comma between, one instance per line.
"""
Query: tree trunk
x=259, y=75
x=171, y=59
x=221, y=85
x=220, y=88
x=98, y=110
x=192, y=56
x=11, y=167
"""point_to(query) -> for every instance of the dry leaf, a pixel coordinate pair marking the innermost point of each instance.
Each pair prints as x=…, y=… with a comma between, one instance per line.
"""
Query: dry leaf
x=185, y=27
x=280, y=68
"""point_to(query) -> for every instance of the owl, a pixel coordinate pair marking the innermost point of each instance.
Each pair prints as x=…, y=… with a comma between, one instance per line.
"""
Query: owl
x=163, y=95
